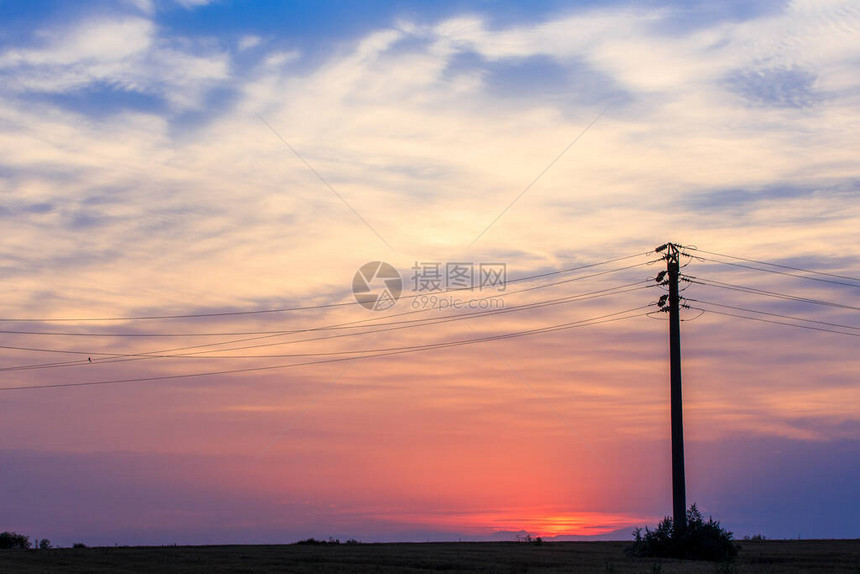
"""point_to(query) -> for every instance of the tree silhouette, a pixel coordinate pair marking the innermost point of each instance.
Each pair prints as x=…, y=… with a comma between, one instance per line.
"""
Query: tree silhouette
x=700, y=540
x=14, y=540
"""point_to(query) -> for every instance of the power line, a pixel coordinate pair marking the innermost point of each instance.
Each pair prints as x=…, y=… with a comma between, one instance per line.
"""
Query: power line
x=540, y=175
x=387, y=326
x=763, y=320
x=324, y=180
x=390, y=326
x=340, y=325
x=450, y=319
x=347, y=325
x=766, y=293
x=442, y=345
x=301, y=308
x=820, y=279
x=780, y=315
x=371, y=325
x=776, y=265
x=564, y=326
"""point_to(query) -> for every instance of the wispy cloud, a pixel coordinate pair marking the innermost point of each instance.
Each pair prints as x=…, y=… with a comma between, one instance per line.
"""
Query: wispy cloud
x=122, y=53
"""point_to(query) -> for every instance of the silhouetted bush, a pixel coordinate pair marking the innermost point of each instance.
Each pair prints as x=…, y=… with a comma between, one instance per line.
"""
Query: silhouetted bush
x=755, y=538
x=699, y=541
x=309, y=541
x=79, y=545
x=13, y=540
x=44, y=544
x=314, y=541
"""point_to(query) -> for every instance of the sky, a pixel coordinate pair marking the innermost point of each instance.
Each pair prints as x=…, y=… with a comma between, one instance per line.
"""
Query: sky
x=178, y=176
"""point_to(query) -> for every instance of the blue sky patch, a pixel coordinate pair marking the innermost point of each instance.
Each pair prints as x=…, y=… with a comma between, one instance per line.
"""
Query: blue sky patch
x=775, y=87
x=100, y=100
x=539, y=78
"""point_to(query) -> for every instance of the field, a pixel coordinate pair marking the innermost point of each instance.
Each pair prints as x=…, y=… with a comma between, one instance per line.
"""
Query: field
x=486, y=557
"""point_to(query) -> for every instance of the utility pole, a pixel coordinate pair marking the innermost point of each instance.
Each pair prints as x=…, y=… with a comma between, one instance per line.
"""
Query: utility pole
x=679, y=488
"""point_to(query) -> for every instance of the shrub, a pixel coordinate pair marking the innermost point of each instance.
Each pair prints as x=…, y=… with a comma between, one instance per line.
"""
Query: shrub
x=755, y=538
x=14, y=540
x=44, y=544
x=310, y=541
x=699, y=541
x=79, y=545
x=314, y=541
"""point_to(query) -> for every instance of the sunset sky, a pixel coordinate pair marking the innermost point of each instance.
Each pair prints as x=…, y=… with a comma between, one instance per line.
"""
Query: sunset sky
x=177, y=176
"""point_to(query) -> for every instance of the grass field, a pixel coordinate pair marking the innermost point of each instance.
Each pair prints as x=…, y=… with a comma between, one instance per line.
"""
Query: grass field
x=485, y=557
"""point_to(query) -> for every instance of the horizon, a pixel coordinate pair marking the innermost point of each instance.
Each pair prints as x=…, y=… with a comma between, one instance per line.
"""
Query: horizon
x=202, y=345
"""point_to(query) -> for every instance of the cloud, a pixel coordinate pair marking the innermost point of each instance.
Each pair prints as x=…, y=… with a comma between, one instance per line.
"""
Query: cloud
x=248, y=42
x=456, y=122
x=790, y=88
x=123, y=54
x=192, y=4
x=92, y=41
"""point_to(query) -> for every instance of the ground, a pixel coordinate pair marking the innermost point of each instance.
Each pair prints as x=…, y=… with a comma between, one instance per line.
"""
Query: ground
x=485, y=557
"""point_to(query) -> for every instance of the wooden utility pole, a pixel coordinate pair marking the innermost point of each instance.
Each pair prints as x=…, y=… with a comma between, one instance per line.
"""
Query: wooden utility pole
x=679, y=487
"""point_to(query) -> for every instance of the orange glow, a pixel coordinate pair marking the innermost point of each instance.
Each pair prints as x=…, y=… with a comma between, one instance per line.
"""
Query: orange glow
x=534, y=521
